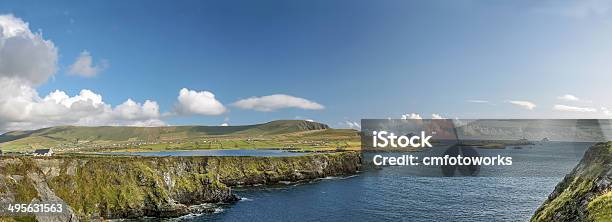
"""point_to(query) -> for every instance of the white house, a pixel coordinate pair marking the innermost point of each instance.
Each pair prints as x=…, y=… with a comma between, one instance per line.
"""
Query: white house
x=43, y=152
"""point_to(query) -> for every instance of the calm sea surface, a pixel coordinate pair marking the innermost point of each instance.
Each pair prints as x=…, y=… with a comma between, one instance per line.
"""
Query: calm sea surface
x=394, y=193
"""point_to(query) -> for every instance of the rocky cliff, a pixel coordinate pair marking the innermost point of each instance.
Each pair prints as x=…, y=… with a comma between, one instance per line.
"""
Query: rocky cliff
x=132, y=187
x=586, y=193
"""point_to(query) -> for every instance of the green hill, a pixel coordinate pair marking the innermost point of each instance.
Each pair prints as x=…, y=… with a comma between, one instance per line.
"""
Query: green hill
x=281, y=133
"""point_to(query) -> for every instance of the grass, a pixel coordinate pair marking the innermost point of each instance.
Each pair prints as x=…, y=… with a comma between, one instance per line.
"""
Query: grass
x=578, y=184
x=120, y=187
x=276, y=134
x=113, y=187
x=600, y=208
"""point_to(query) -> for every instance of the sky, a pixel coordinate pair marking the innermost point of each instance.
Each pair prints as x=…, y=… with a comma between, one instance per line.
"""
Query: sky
x=150, y=63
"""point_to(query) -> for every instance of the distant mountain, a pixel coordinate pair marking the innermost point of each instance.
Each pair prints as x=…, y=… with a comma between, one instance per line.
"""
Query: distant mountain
x=101, y=135
x=577, y=130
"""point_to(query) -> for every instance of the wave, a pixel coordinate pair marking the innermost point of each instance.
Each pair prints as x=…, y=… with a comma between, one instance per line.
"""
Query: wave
x=339, y=178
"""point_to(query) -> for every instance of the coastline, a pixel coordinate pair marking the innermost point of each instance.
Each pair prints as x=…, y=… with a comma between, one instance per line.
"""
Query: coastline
x=122, y=188
x=585, y=194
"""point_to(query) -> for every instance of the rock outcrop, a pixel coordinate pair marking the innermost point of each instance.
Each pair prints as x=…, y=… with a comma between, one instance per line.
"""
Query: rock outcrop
x=586, y=193
x=107, y=187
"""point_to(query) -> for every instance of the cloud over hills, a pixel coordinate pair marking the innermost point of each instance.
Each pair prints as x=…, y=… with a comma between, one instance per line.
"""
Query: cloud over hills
x=27, y=60
x=275, y=102
x=200, y=103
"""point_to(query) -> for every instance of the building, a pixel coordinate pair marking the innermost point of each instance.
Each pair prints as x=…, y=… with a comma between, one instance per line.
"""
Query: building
x=43, y=152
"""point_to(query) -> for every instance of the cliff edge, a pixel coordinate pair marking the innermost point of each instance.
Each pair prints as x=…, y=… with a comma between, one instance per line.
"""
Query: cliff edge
x=105, y=187
x=586, y=193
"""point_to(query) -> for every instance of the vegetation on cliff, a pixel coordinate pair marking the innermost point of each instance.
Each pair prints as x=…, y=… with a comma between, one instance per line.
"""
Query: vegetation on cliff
x=586, y=193
x=131, y=187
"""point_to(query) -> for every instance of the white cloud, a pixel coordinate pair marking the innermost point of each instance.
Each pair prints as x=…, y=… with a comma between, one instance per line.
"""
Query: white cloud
x=304, y=118
x=568, y=97
x=200, y=103
x=224, y=124
x=275, y=102
x=437, y=116
x=83, y=66
x=524, y=104
x=574, y=109
x=606, y=111
x=131, y=110
x=26, y=61
x=478, y=101
x=411, y=116
x=352, y=124
x=418, y=117
x=25, y=109
x=146, y=123
x=25, y=56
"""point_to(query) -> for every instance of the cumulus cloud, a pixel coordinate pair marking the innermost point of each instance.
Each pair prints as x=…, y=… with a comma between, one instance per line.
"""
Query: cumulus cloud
x=574, y=109
x=199, y=103
x=131, y=110
x=568, y=97
x=25, y=55
x=411, y=116
x=26, y=61
x=352, y=124
x=523, y=104
x=275, y=102
x=25, y=109
x=418, y=116
x=606, y=111
x=437, y=116
x=224, y=124
x=83, y=66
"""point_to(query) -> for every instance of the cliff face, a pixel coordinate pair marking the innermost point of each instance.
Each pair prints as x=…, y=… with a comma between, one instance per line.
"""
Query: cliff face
x=130, y=187
x=586, y=193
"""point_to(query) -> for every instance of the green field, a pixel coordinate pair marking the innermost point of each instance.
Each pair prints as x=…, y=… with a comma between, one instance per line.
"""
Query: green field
x=291, y=134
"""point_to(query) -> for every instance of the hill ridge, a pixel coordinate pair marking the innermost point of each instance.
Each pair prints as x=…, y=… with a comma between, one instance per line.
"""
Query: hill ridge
x=278, y=133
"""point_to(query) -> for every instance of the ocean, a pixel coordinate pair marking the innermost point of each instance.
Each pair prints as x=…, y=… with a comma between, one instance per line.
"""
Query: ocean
x=394, y=193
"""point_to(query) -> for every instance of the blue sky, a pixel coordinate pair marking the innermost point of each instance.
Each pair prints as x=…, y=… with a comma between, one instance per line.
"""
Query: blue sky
x=358, y=59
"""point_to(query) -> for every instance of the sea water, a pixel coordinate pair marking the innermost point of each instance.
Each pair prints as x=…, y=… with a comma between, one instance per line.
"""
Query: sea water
x=390, y=193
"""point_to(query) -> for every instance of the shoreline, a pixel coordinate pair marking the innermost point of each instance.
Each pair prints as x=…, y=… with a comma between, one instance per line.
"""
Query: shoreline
x=99, y=187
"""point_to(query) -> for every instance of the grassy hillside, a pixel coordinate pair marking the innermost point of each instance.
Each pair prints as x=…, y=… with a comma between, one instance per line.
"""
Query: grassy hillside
x=105, y=187
x=275, y=134
x=585, y=194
